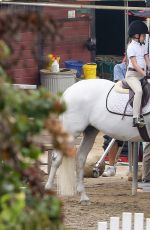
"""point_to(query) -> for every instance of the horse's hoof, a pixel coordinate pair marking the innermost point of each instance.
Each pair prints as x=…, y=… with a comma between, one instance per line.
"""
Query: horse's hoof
x=96, y=173
x=48, y=187
x=85, y=202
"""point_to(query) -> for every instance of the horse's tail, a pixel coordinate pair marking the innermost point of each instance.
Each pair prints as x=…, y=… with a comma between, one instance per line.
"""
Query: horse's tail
x=66, y=177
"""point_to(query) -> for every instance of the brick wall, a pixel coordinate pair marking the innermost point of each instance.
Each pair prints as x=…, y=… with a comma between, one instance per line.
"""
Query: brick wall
x=74, y=33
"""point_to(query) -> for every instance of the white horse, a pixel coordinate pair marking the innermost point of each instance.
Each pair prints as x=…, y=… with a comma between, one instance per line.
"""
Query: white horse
x=87, y=113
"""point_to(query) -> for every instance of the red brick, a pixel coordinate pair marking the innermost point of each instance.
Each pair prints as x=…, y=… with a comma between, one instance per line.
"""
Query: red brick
x=72, y=45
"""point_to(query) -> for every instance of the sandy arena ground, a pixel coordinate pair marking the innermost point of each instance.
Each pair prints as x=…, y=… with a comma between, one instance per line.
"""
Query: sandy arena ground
x=109, y=197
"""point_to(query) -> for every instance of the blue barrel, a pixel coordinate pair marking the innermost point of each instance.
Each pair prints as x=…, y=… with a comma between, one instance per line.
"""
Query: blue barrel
x=77, y=65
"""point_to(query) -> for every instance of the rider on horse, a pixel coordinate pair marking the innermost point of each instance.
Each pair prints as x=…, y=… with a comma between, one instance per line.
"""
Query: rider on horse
x=137, y=60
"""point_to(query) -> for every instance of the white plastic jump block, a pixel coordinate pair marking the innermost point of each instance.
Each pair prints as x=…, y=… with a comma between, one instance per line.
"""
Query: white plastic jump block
x=114, y=223
x=126, y=221
x=102, y=225
x=147, y=223
x=139, y=221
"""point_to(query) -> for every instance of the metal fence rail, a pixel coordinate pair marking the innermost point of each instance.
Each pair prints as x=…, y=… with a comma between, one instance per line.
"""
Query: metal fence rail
x=77, y=6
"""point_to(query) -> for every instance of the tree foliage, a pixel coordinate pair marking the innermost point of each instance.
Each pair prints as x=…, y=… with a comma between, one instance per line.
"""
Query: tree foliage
x=24, y=205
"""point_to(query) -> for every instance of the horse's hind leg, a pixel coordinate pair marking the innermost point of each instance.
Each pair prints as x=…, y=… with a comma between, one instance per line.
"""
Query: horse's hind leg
x=87, y=143
x=56, y=161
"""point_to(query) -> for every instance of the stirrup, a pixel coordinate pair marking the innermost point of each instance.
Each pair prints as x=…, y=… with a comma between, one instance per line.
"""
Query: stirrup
x=138, y=122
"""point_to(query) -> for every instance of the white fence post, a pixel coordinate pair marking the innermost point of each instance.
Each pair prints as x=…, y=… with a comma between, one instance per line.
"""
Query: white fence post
x=102, y=225
x=139, y=221
x=114, y=223
x=126, y=220
x=147, y=223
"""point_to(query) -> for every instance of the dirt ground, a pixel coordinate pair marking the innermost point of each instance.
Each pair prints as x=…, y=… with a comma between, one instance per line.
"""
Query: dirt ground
x=109, y=197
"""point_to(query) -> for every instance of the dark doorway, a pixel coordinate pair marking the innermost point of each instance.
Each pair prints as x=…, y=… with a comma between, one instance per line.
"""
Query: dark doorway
x=110, y=28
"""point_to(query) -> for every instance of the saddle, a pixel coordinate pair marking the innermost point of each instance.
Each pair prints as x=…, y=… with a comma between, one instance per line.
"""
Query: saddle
x=146, y=91
x=145, y=98
x=119, y=101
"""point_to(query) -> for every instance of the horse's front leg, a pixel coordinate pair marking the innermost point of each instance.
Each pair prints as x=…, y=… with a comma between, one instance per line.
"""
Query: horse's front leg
x=56, y=161
x=84, y=149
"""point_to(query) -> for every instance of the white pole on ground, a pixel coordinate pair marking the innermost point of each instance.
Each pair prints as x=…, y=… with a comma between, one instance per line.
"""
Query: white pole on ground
x=147, y=223
x=139, y=221
x=105, y=152
x=114, y=223
x=102, y=225
x=126, y=220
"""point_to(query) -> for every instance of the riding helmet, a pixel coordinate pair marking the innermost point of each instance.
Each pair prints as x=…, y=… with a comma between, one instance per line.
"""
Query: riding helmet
x=137, y=27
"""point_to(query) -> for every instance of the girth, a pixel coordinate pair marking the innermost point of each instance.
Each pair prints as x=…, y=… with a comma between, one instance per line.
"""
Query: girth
x=143, y=133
